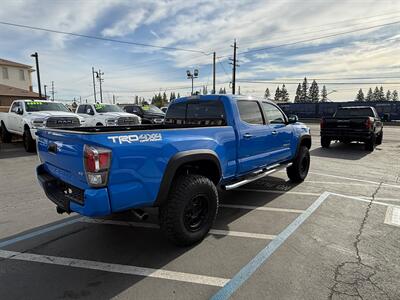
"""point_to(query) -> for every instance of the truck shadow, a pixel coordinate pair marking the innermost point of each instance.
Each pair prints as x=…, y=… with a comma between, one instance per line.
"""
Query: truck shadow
x=352, y=151
x=13, y=150
x=131, y=245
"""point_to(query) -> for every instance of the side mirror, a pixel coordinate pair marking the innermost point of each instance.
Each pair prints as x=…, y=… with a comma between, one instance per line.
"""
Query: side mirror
x=89, y=112
x=293, y=119
x=19, y=111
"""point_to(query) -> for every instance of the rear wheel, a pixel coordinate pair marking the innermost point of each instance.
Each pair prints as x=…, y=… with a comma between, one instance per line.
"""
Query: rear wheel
x=190, y=211
x=29, y=143
x=379, y=138
x=325, y=142
x=370, y=144
x=6, y=136
x=99, y=125
x=298, y=171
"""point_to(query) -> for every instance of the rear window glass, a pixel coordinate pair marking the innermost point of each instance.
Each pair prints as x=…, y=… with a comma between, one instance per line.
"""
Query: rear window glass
x=250, y=112
x=356, y=112
x=205, y=113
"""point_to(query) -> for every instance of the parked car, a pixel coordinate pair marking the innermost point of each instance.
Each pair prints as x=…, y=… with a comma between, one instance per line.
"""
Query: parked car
x=106, y=115
x=26, y=116
x=205, y=142
x=356, y=123
x=149, y=114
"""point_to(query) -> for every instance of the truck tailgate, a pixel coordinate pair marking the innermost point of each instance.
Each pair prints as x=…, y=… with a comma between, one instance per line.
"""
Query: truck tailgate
x=62, y=155
x=353, y=123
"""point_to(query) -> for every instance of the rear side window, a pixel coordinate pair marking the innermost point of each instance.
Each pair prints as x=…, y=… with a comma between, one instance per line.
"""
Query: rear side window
x=206, y=113
x=176, y=114
x=250, y=112
x=354, y=112
x=274, y=115
x=81, y=109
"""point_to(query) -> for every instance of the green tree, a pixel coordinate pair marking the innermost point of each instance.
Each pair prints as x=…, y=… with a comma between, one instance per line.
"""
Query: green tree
x=381, y=96
x=267, y=94
x=298, y=94
x=277, y=97
x=284, y=94
x=314, y=92
x=388, y=96
x=375, y=95
x=178, y=96
x=205, y=92
x=370, y=95
x=395, y=96
x=324, y=94
x=360, y=96
x=304, y=91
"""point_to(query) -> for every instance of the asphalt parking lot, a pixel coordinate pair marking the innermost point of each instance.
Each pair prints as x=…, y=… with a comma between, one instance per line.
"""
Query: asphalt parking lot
x=336, y=236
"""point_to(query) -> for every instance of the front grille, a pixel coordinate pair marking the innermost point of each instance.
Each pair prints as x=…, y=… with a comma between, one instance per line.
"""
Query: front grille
x=62, y=122
x=127, y=121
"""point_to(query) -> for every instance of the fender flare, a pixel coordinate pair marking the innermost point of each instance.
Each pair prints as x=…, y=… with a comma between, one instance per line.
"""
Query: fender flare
x=177, y=161
x=301, y=139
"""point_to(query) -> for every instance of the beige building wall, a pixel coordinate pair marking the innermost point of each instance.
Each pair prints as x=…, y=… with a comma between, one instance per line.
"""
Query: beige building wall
x=18, y=77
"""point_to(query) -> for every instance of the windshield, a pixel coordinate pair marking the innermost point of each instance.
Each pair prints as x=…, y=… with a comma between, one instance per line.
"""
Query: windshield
x=105, y=108
x=354, y=112
x=32, y=106
x=152, y=109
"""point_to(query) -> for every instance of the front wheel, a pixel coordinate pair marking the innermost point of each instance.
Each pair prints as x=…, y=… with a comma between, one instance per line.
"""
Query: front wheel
x=29, y=143
x=325, y=142
x=5, y=134
x=190, y=210
x=370, y=144
x=298, y=171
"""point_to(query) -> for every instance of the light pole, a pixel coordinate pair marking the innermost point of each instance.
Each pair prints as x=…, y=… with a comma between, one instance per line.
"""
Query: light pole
x=45, y=91
x=36, y=56
x=193, y=75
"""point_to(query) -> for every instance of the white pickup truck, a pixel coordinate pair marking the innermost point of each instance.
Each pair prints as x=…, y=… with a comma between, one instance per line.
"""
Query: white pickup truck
x=106, y=115
x=25, y=116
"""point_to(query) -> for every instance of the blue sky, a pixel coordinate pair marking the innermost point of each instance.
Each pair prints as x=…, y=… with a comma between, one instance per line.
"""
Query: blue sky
x=206, y=26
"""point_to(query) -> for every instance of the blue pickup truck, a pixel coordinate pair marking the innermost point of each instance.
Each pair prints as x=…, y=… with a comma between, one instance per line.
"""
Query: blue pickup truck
x=206, y=142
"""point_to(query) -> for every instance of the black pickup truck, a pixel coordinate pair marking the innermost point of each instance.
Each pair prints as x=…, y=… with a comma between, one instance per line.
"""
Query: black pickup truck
x=356, y=123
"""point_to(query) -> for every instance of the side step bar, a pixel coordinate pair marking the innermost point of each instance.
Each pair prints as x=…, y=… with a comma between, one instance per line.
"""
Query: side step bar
x=257, y=175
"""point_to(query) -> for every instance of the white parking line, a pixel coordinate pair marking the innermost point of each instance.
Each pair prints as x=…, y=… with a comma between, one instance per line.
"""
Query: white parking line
x=114, y=268
x=337, y=183
x=212, y=231
x=355, y=179
x=279, y=192
x=392, y=216
x=264, y=208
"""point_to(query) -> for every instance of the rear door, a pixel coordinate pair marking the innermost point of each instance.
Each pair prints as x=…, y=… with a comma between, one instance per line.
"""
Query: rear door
x=279, y=143
x=253, y=135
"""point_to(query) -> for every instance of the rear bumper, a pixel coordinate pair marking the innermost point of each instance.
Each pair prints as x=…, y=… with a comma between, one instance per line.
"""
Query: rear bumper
x=341, y=134
x=88, y=202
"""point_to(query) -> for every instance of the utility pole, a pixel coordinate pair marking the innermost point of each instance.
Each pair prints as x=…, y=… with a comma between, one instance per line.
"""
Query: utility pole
x=98, y=75
x=94, y=85
x=52, y=91
x=36, y=56
x=234, y=64
x=213, y=90
x=45, y=91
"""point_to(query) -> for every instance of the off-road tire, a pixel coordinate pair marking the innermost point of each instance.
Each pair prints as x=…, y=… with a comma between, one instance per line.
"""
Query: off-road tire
x=370, y=144
x=178, y=209
x=379, y=138
x=29, y=143
x=6, y=136
x=325, y=142
x=298, y=171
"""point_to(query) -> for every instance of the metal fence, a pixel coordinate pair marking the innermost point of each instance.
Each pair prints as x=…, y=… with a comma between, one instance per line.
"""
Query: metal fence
x=389, y=110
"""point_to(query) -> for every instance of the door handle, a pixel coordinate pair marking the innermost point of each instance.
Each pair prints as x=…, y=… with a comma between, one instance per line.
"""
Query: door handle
x=274, y=132
x=247, y=135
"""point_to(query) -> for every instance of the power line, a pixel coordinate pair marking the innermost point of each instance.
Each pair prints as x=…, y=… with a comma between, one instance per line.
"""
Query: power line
x=102, y=38
x=318, y=38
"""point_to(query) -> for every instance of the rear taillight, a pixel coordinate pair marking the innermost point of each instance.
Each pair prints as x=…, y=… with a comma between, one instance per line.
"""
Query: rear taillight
x=322, y=123
x=368, y=123
x=97, y=163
